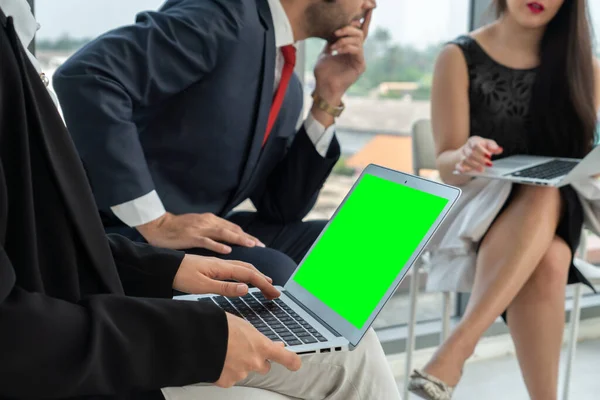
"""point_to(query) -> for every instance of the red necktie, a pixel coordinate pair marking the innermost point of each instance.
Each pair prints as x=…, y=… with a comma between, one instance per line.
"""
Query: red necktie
x=289, y=56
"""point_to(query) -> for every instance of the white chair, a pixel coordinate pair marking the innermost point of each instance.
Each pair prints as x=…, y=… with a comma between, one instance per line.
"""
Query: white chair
x=593, y=274
x=424, y=159
x=423, y=153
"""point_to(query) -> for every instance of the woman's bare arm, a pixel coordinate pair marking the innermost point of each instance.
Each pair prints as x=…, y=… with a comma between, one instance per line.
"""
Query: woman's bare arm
x=450, y=112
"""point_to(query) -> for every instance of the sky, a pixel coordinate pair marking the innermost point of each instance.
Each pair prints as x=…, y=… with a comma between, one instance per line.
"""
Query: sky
x=410, y=21
x=415, y=22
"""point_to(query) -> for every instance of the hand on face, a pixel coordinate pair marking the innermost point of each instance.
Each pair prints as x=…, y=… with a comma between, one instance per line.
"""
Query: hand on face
x=342, y=62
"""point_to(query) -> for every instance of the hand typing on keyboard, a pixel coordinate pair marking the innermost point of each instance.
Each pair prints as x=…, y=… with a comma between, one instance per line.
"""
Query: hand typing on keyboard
x=250, y=351
x=273, y=318
x=208, y=275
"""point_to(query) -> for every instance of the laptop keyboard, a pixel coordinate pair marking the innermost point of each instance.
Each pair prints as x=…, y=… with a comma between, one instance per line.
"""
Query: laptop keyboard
x=549, y=170
x=273, y=318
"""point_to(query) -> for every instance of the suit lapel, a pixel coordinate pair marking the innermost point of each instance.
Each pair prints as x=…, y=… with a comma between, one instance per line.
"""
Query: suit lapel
x=44, y=120
x=265, y=96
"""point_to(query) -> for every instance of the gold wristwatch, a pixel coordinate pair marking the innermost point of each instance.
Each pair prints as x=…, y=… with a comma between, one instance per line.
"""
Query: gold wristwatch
x=328, y=108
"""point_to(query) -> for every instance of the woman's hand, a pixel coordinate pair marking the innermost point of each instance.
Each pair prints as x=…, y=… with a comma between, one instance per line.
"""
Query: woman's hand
x=208, y=275
x=249, y=351
x=476, y=154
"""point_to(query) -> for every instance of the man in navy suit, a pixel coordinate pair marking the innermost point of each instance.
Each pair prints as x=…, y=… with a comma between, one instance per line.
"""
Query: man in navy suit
x=194, y=109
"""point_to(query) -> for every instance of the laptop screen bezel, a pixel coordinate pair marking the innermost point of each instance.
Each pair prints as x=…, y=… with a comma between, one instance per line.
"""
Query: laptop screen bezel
x=331, y=317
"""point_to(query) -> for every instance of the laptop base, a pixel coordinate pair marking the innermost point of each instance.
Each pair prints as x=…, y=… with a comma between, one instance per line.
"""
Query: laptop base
x=543, y=171
x=281, y=320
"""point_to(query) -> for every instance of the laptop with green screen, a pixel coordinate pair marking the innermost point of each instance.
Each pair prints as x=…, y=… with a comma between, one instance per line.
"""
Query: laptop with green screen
x=355, y=265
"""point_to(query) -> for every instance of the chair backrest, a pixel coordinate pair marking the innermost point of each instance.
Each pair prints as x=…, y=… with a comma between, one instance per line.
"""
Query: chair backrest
x=423, y=146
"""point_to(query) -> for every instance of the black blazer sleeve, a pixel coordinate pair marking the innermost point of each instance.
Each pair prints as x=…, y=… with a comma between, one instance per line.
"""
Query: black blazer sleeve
x=291, y=190
x=133, y=67
x=144, y=270
x=103, y=345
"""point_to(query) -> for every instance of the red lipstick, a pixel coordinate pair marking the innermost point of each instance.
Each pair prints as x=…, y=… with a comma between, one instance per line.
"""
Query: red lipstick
x=536, y=7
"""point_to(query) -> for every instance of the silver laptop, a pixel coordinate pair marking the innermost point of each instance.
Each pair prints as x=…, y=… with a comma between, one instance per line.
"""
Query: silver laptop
x=543, y=171
x=353, y=268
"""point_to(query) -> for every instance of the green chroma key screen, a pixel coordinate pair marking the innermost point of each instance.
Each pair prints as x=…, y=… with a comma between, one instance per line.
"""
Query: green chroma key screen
x=366, y=246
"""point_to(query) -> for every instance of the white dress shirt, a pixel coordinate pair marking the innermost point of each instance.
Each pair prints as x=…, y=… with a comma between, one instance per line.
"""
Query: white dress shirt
x=149, y=207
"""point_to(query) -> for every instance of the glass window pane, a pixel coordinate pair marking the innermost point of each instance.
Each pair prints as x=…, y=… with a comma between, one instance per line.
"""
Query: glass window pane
x=595, y=16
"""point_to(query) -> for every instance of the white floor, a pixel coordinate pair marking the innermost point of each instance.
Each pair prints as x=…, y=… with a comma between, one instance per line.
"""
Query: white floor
x=500, y=379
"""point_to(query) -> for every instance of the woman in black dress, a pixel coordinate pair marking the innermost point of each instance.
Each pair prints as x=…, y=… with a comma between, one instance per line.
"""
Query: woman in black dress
x=525, y=84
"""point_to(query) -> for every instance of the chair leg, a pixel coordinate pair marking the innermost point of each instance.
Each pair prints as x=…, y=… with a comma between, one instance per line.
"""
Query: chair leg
x=446, y=312
x=574, y=323
x=412, y=323
x=572, y=341
x=582, y=250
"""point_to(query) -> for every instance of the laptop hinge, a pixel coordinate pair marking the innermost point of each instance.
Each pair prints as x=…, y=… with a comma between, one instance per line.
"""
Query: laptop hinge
x=312, y=314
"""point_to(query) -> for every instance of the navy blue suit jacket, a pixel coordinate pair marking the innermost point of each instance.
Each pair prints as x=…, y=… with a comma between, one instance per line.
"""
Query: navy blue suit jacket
x=179, y=103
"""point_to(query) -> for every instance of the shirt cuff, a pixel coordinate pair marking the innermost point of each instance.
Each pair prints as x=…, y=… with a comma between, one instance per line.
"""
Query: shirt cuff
x=141, y=210
x=320, y=136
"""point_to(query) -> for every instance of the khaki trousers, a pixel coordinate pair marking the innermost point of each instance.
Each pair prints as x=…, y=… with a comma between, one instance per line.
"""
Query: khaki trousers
x=362, y=374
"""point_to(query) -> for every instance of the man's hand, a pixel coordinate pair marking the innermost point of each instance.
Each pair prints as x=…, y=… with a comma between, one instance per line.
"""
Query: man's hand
x=189, y=231
x=341, y=63
x=249, y=351
x=204, y=275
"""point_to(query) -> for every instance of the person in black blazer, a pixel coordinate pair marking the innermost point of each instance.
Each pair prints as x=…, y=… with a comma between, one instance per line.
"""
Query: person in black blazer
x=193, y=109
x=82, y=315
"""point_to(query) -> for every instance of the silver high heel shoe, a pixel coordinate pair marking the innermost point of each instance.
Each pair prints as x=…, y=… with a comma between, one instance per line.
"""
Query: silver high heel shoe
x=429, y=387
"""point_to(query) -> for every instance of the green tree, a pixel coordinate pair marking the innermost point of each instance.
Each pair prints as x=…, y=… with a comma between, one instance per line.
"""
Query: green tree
x=387, y=62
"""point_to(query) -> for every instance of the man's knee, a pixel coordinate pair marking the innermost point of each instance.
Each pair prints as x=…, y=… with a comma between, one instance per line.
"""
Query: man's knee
x=369, y=342
x=276, y=265
x=270, y=262
x=368, y=356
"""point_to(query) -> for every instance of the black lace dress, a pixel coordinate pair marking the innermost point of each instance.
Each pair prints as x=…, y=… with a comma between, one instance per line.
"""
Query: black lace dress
x=499, y=109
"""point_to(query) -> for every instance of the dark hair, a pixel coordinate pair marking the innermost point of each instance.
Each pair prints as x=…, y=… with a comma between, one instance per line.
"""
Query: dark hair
x=563, y=112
